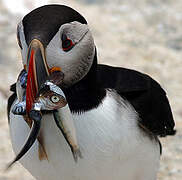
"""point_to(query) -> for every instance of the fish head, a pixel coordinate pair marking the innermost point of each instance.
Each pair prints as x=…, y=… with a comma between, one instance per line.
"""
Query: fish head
x=50, y=100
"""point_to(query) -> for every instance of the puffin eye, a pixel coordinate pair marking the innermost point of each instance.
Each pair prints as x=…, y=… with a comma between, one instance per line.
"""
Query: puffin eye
x=54, y=99
x=67, y=43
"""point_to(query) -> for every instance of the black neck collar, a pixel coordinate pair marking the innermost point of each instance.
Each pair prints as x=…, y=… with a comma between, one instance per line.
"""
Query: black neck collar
x=87, y=93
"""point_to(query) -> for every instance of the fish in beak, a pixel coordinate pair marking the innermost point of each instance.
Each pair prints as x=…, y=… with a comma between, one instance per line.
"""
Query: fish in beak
x=65, y=123
x=37, y=75
x=42, y=92
x=20, y=107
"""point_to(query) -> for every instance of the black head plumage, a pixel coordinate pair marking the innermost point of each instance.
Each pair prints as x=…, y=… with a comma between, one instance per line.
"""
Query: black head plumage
x=44, y=22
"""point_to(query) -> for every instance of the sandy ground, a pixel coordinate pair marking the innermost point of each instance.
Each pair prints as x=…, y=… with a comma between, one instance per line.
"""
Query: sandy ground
x=139, y=34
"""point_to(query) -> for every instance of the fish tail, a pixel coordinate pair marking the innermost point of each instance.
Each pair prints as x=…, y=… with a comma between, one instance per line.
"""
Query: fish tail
x=76, y=153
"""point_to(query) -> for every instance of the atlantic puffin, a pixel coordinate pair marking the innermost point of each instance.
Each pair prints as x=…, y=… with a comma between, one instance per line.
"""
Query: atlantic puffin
x=118, y=113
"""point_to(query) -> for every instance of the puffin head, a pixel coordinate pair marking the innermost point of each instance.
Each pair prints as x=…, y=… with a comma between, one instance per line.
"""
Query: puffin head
x=58, y=38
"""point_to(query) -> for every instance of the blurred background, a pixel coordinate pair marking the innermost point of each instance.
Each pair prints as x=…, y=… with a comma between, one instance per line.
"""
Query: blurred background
x=145, y=35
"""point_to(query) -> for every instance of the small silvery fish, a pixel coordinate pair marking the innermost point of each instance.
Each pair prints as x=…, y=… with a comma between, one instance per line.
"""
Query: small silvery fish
x=20, y=107
x=50, y=97
x=65, y=123
x=53, y=98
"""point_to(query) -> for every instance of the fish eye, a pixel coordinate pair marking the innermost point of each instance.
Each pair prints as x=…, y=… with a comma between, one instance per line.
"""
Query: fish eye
x=55, y=99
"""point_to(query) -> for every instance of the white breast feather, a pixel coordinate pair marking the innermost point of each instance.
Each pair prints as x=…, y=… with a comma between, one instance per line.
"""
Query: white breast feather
x=112, y=145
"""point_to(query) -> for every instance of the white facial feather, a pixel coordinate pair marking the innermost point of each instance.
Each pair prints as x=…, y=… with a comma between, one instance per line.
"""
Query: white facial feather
x=74, y=31
x=75, y=63
x=24, y=51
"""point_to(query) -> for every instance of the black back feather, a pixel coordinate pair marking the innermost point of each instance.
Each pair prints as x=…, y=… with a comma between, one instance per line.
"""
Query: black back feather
x=144, y=93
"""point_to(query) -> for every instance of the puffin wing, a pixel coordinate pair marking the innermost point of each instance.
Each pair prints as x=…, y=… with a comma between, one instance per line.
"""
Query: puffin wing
x=145, y=95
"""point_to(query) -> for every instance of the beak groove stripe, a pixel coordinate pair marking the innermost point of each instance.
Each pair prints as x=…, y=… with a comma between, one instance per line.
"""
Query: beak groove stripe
x=31, y=88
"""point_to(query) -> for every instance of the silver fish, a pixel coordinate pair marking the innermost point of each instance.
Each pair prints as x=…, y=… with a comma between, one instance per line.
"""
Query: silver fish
x=54, y=99
x=20, y=107
x=50, y=97
x=64, y=121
